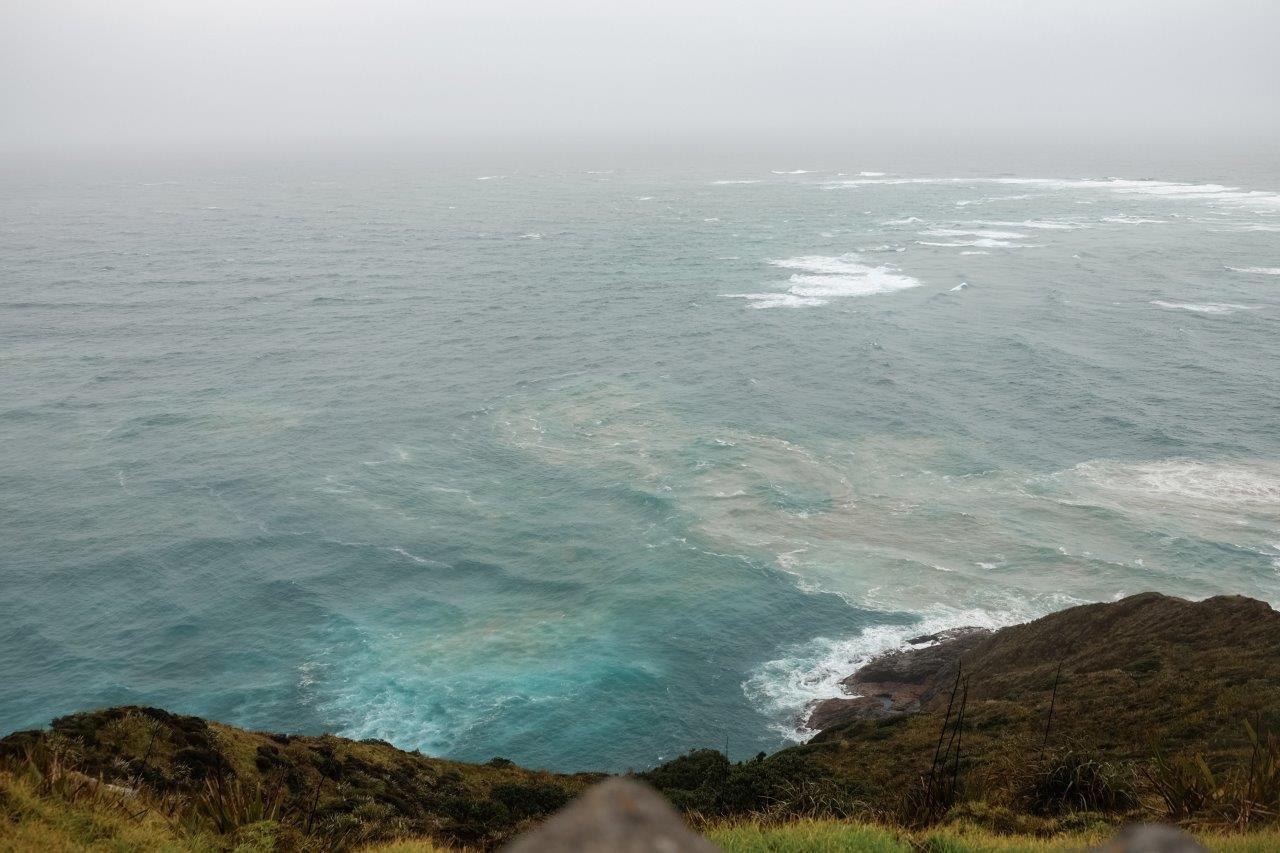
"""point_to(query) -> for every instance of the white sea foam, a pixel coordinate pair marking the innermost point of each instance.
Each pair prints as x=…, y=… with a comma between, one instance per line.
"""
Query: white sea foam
x=989, y=199
x=871, y=174
x=1256, y=270
x=1187, y=482
x=823, y=264
x=1134, y=220
x=1204, y=307
x=776, y=300
x=873, y=281
x=877, y=506
x=961, y=286
x=787, y=687
x=750, y=181
x=1044, y=224
x=822, y=278
x=973, y=232
x=975, y=252
x=910, y=220
x=984, y=242
x=787, y=560
x=1211, y=193
x=792, y=172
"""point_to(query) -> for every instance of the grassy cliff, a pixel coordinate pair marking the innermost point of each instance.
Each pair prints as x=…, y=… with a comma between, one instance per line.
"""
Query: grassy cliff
x=1151, y=707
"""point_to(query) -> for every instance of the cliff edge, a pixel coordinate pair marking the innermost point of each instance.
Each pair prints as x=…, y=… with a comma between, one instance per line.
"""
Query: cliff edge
x=1151, y=707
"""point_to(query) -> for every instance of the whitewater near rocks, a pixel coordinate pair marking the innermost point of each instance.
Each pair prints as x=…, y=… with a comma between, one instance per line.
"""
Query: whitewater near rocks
x=586, y=468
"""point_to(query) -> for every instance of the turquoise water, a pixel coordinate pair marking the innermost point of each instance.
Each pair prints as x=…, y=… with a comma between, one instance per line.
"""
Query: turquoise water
x=587, y=469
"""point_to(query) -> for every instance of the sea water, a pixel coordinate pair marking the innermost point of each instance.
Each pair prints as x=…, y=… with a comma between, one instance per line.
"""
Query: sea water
x=588, y=468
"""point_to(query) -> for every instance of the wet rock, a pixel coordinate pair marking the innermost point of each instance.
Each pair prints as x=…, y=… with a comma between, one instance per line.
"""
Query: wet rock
x=833, y=712
x=919, y=665
x=949, y=634
x=899, y=681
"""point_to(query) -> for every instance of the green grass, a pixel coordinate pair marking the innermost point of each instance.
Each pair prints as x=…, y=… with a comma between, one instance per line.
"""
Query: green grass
x=34, y=818
x=810, y=835
x=1168, y=710
x=819, y=836
x=37, y=817
x=1253, y=842
x=831, y=835
x=263, y=789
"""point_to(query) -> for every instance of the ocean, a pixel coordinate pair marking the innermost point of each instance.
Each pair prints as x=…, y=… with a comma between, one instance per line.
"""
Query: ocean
x=586, y=468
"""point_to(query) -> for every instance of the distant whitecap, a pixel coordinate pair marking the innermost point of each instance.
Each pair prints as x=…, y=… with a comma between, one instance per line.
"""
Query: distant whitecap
x=1134, y=220
x=1204, y=307
x=821, y=278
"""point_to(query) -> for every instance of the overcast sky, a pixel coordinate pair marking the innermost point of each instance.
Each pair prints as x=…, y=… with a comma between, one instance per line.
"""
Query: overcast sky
x=119, y=73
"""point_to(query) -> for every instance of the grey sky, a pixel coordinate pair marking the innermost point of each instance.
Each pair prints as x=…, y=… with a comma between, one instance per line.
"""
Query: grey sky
x=98, y=73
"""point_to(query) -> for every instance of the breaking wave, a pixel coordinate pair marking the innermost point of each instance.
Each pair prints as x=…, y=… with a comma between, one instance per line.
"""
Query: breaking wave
x=1218, y=194
x=1203, y=307
x=825, y=278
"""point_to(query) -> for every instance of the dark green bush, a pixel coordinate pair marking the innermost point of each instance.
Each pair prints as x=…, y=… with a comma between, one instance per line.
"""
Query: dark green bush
x=1076, y=780
x=689, y=772
x=530, y=799
x=786, y=784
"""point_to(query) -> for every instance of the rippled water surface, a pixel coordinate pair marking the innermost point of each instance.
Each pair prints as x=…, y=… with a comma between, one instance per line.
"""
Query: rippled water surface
x=586, y=469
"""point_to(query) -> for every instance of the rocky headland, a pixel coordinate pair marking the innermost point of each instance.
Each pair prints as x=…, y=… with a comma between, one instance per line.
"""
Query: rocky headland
x=1134, y=647
x=898, y=681
x=1150, y=707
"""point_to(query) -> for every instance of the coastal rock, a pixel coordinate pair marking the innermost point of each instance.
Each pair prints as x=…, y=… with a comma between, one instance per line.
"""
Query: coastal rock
x=949, y=634
x=914, y=669
x=1162, y=657
x=1118, y=677
x=833, y=712
x=899, y=681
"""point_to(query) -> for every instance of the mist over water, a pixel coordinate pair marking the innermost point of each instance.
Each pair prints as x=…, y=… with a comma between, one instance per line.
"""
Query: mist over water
x=588, y=466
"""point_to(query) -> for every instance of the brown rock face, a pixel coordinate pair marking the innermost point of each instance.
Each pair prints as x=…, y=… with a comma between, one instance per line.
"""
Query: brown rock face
x=833, y=712
x=898, y=682
x=914, y=670
x=1184, y=668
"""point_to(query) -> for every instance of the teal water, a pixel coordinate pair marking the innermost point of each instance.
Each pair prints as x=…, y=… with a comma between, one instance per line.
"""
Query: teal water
x=587, y=469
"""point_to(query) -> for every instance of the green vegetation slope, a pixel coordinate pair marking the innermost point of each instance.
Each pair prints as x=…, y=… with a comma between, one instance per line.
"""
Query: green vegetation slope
x=1151, y=707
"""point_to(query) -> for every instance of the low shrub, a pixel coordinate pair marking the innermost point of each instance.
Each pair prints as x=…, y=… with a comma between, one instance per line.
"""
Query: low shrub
x=530, y=799
x=1237, y=795
x=788, y=784
x=1074, y=779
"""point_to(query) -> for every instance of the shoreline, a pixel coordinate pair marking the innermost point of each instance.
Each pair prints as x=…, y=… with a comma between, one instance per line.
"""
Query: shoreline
x=1103, y=684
